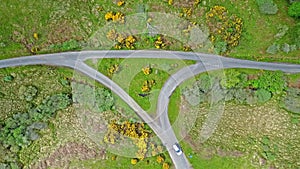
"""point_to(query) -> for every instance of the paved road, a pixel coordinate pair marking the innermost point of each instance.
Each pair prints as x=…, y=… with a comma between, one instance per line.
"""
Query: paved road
x=205, y=62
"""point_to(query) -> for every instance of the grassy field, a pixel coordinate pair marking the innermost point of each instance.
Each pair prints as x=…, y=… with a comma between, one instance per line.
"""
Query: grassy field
x=70, y=25
x=65, y=25
x=48, y=80
x=119, y=162
x=131, y=77
x=68, y=132
x=200, y=157
x=256, y=136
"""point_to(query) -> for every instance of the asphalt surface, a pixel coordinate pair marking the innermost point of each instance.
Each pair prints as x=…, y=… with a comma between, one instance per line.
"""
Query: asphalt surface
x=163, y=129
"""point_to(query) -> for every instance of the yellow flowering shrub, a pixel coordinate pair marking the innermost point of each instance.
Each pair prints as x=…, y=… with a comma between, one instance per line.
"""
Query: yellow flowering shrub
x=113, y=69
x=35, y=36
x=146, y=70
x=122, y=40
x=115, y=17
x=159, y=43
x=148, y=84
x=120, y=3
x=224, y=27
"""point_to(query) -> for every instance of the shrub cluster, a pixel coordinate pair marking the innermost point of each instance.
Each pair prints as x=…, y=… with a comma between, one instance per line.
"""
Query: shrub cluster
x=96, y=99
x=225, y=29
x=294, y=10
x=267, y=6
x=238, y=87
x=21, y=129
x=291, y=101
x=122, y=40
x=135, y=131
x=115, y=17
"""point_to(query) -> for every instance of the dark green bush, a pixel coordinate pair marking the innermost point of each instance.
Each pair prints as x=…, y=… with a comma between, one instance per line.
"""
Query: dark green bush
x=19, y=130
x=267, y=6
x=8, y=78
x=273, y=82
x=294, y=10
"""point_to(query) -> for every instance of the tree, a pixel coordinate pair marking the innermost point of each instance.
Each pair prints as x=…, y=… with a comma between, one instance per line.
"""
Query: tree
x=294, y=10
x=267, y=6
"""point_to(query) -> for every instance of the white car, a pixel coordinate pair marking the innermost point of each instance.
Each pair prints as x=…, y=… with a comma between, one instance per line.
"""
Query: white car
x=177, y=149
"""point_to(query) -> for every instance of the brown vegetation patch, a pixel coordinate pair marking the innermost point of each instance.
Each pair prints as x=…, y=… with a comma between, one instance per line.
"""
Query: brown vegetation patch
x=62, y=156
x=295, y=84
x=184, y=3
x=64, y=30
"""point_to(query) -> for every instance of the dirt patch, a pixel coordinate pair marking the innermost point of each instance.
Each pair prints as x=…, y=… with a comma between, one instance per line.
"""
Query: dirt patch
x=184, y=3
x=295, y=84
x=63, y=155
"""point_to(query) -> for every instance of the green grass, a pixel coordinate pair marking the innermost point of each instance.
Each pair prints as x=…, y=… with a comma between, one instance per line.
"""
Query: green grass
x=43, y=78
x=256, y=39
x=68, y=25
x=119, y=162
x=200, y=160
x=242, y=128
x=131, y=78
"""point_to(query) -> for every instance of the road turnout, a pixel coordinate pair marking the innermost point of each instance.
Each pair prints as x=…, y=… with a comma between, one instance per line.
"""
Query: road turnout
x=162, y=127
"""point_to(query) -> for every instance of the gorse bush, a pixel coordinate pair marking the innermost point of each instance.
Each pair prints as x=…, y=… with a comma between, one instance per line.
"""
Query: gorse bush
x=225, y=29
x=267, y=6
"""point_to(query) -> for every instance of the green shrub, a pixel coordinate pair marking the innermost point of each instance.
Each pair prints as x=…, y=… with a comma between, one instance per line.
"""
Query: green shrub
x=232, y=79
x=98, y=99
x=273, y=49
x=294, y=10
x=220, y=47
x=8, y=78
x=54, y=103
x=291, y=100
x=27, y=92
x=296, y=34
x=286, y=48
x=267, y=6
x=273, y=82
x=241, y=95
x=263, y=95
